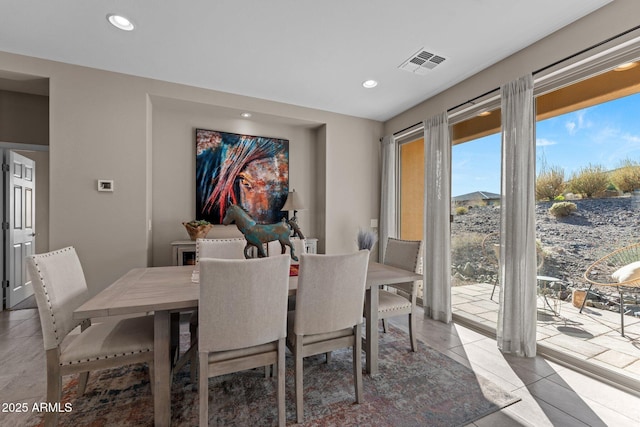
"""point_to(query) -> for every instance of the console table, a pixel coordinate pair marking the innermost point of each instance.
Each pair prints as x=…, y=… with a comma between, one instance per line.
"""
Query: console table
x=183, y=252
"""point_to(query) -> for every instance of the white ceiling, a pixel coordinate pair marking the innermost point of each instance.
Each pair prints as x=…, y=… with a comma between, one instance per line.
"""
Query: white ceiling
x=302, y=52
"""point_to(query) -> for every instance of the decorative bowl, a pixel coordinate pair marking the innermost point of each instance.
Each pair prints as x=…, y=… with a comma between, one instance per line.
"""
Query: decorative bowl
x=197, y=229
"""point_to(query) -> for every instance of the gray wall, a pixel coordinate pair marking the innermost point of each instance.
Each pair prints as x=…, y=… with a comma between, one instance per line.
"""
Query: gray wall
x=173, y=177
x=24, y=118
x=139, y=132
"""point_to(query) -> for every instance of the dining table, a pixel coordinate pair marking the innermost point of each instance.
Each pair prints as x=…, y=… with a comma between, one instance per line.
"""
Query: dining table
x=164, y=291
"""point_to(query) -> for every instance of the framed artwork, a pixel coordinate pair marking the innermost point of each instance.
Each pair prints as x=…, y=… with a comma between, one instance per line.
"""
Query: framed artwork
x=250, y=171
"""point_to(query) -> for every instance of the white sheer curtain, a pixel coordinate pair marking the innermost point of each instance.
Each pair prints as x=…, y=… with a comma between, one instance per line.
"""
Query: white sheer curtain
x=388, y=199
x=516, y=329
x=437, y=209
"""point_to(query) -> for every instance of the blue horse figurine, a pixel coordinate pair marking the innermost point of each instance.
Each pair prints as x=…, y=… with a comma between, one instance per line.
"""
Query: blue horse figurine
x=258, y=234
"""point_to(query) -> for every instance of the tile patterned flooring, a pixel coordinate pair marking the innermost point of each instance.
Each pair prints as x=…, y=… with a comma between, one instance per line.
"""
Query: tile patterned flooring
x=552, y=395
x=592, y=336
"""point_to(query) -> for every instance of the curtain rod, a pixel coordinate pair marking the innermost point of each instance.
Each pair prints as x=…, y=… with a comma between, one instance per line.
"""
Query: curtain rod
x=470, y=101
x=624, y=33
x=407, y=128
x=536, y=71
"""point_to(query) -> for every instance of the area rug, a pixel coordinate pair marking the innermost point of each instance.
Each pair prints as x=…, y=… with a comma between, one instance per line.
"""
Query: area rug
x=425, y=388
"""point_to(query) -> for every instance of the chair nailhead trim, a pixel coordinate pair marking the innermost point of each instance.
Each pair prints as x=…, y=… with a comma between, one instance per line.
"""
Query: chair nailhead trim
x=75, y=362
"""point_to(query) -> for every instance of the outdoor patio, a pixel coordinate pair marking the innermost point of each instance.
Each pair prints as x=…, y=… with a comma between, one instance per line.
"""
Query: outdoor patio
x=591, y=340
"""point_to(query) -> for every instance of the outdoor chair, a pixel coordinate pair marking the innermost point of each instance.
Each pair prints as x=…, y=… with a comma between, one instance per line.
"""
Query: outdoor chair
x=328, y=314
x=619, y=269
x=491, y=251
x=60, y=287
x=242, y=321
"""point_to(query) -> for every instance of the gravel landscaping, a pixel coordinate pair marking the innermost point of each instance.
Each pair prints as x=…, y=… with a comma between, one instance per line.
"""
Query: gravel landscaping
x=569, y=245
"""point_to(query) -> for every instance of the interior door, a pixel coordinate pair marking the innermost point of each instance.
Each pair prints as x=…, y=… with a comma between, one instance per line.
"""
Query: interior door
x=19, y=225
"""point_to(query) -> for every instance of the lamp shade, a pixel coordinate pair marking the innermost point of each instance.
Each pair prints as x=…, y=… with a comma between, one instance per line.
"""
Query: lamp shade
x=293, y=203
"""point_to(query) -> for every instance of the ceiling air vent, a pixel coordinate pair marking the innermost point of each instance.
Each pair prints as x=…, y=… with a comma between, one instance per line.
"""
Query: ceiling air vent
x=421, y=62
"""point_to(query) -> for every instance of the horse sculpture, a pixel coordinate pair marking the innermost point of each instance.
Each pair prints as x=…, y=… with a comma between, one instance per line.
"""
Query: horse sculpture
x=258, y=234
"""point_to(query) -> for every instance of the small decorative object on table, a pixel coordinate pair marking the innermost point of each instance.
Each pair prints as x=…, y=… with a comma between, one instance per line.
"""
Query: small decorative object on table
x=366, y=239
x=259, y=234
x=198, y=229
x=294, y=269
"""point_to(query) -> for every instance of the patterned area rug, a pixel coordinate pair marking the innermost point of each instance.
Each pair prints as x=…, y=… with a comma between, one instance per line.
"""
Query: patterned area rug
x=425, y=388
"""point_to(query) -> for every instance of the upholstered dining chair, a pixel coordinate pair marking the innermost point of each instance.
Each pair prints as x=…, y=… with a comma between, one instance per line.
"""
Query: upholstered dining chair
x=328, y=314
x=242, y=321
x=400, y=299
x=60, y=287
x=232, y=248
x=220, y=248
x=299, y=246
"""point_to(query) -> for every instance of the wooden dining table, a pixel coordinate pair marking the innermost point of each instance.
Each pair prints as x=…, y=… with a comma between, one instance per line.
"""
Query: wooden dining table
x=166, y=290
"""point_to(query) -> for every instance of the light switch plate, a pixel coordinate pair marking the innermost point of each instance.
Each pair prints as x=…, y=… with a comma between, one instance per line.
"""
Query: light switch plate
x=105, y=185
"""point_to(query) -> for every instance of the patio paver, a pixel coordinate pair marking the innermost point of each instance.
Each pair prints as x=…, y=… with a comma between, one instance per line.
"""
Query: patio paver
x=592, y=336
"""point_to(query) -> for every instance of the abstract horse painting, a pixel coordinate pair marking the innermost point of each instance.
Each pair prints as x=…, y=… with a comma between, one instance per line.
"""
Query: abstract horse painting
x=258, y=234
x=249, y=171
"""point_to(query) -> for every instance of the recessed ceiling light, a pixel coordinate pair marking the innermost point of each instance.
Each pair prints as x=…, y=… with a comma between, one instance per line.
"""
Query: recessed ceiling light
x=369, y=84
x=246, y=115
x=120, y=22
x=624, y=67
x=484, y=113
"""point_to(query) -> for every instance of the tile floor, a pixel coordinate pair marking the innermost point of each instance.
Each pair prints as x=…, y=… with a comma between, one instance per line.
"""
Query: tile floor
x=592, y=336
x=552, y=395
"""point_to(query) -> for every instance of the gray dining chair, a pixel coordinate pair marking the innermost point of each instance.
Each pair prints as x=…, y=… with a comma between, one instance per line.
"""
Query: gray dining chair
x=328, y=314
x=232, y=248
x=60, y=287
x=400, y=299
x=242, y=321
x=299, y=246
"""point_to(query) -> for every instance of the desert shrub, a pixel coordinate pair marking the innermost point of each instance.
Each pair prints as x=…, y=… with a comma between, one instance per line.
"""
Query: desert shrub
x=550, y=183
x=562, y=209
x=590, y=181
x=559, y=198
x=461, y=210
x=627, y=177
x=466, y=246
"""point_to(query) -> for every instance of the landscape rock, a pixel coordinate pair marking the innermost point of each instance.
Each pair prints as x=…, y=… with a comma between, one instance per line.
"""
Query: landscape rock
x=570, y=244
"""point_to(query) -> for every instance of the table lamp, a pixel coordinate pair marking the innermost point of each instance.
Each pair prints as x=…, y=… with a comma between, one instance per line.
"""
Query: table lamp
x=294, y=203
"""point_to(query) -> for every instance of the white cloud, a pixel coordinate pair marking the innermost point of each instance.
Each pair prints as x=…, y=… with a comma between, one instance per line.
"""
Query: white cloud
x=542, y=142
x=571, y=127
x=627, y=146
x=578, y=122
x=631, y=138
x=606, y=134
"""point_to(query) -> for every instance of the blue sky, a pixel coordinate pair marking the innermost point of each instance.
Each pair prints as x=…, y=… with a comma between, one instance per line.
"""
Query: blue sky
x=604, y=135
